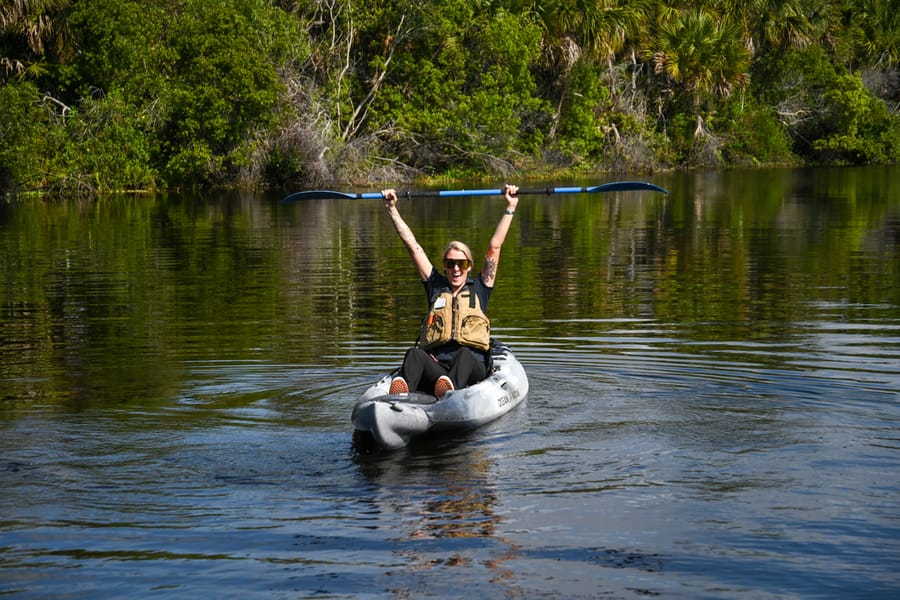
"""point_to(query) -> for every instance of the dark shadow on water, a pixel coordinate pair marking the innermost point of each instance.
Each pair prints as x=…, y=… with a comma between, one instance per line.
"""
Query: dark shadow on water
x=367, y=453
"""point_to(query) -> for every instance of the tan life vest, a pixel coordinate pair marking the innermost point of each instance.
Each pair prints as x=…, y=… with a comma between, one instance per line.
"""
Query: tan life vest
x=456, y=319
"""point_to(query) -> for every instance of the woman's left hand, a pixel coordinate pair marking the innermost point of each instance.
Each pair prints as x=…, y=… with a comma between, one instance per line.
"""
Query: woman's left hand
x=512, y=200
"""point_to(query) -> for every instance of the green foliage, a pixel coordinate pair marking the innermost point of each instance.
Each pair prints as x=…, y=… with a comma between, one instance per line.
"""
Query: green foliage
x=702, y=54
x=221, y=94
x=755, y=136
x=502, y=103
x=468, y=94
x=830, y=113
x=680, y=132
x=23, y=143
x=587, y=114
x=861, y=129
x=98, y=146
x=106, y=148
x=201, y=75
x=873, y=32
x=122, y=49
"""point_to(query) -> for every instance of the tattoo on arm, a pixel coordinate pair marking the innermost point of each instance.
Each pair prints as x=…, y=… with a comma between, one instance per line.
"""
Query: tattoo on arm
x=490, y=268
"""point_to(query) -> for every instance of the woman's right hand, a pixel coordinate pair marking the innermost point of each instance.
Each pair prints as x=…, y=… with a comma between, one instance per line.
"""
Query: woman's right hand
x=390, y=197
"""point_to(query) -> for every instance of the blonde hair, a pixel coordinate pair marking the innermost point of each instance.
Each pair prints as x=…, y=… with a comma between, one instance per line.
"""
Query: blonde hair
x=455, y=245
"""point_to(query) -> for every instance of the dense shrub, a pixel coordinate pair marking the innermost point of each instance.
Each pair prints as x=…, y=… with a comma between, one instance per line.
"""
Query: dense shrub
x=24, y=143
x=829, y=113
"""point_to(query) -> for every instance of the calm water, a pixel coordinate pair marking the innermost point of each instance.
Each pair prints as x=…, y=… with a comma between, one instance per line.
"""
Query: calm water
x=714, y=407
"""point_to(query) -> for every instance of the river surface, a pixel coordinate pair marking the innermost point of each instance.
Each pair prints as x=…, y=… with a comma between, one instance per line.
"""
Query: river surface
x=714, y=408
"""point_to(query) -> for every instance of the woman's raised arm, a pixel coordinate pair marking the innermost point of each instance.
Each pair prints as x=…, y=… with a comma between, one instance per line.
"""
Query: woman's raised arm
x=420, y=259
x=492, y=258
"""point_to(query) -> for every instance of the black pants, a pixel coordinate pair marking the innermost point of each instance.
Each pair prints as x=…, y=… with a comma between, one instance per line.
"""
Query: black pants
x=421, y=370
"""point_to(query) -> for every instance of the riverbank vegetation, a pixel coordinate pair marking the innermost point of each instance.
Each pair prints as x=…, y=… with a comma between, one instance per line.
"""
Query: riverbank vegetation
x=100, y=95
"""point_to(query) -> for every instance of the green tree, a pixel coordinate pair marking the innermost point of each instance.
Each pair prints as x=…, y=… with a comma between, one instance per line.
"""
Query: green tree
x=469, y=95
x=238, y=92
x=432, y=86
x=124, y=49
x=201, y=79
x=771, y=25
x=221, y=92
x=27, y=136
x=828, y=111
x=863, y=33
x=876, y=32
x=580, y=129
x=702, y=55
x=106, y=148
x=575, y=30
x=856, y=127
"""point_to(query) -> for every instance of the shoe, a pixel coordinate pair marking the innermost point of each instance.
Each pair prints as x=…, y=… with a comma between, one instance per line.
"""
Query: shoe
x=398, y=386
x=442, y=386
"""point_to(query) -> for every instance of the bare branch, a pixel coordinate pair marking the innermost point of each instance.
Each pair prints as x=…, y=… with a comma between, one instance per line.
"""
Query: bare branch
x=358, y=117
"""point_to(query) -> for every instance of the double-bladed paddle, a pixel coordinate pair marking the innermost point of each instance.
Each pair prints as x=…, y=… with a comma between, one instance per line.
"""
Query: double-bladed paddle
x=615, y=186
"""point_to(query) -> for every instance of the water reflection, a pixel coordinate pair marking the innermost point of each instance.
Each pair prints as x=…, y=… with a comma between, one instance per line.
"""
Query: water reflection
x=457, y=500
x=442, y=490
x=713, y=409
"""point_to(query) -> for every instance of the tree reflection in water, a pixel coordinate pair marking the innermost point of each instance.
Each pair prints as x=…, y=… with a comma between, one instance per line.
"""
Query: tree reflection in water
x=444, y=490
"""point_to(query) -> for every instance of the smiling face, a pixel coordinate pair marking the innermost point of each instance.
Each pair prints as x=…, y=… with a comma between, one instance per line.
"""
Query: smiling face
x=456, y=267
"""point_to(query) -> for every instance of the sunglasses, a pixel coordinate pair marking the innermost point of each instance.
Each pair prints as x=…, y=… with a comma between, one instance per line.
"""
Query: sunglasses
x=451, y=263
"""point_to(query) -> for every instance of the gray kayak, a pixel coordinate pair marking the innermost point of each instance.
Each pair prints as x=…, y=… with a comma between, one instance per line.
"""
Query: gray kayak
x=395, y=420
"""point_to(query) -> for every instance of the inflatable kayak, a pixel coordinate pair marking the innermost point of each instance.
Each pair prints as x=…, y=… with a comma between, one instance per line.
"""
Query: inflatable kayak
x=395, y=420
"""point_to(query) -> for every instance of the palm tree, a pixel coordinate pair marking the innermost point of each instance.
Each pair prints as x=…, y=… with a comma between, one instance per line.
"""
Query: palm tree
x=771, y=24
x=876, y=31
x=33, y=31
x=576, y=30
x=702, y=55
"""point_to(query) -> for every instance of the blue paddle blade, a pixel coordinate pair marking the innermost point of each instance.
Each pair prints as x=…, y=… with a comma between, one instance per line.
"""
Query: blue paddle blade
x=626, y=186
x=328, y=195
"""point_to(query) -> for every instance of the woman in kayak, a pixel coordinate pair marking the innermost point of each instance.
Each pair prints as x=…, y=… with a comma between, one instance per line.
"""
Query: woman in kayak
x=454, y=344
